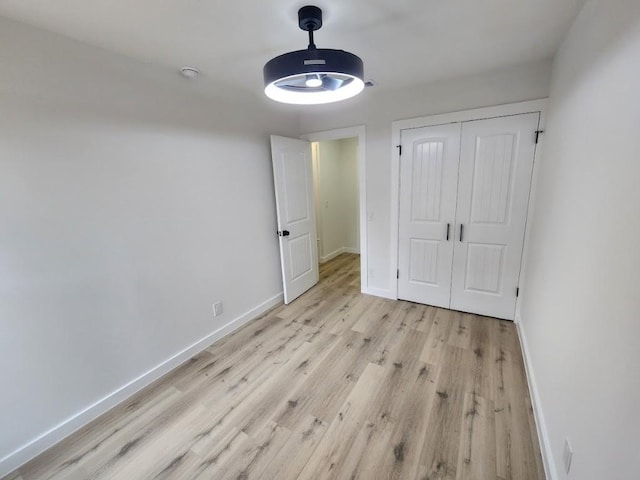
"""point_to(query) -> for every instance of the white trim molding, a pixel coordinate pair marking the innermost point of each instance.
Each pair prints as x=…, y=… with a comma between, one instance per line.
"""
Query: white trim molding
x=337, y=252
x=430, y=121
x=360, y=133
x=379, y=292
x=538, y=416
x=34, y=448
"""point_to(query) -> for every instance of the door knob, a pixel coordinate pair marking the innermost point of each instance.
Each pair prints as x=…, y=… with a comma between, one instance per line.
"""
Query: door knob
x=283, y=233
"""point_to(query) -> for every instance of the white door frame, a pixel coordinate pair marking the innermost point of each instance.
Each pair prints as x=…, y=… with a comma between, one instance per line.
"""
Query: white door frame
x=350, y=132
x=315, y=159
x=461, y=116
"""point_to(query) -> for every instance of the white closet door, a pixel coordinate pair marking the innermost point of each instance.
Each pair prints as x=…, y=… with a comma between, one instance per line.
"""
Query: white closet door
x=496, y=162
x=428, y=179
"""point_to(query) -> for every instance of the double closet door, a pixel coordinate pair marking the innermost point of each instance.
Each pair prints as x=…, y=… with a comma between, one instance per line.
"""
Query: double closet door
x=464, y=192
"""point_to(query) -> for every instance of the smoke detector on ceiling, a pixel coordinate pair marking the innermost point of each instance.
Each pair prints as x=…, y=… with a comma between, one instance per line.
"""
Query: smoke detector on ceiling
x=189, y=72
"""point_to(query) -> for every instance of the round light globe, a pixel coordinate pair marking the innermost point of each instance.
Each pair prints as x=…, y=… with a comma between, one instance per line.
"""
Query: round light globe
x=313, y=82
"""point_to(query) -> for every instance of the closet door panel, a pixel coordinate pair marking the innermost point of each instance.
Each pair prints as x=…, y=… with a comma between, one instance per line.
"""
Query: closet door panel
x=428, y=182
x=496, y=161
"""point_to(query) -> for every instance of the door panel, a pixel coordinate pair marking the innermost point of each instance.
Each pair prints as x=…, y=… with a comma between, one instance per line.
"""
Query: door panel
x=293, y=179
x=496, y=161
x=300, y=256
x=484, y=267
x=428, y=178
x=492, y=179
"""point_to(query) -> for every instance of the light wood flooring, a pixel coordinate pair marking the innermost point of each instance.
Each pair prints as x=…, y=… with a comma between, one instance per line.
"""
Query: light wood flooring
x=335, y=385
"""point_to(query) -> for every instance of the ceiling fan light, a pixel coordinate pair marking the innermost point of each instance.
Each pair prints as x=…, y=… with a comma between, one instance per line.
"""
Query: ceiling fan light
x=287, y=76
x=313, y=81
x=315, y=75
x=314, y=96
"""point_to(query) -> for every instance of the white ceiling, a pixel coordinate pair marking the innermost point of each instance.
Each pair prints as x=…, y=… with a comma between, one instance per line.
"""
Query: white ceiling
x=402, y=42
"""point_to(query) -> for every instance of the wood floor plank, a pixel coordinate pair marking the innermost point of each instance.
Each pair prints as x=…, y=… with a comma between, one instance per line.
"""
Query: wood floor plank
x=322, y=395
x=95, y=447
x=255, y=454
x=380, y=312
x=477, y=456
x=159, y=452
x=460, y=335
x=252, y=410
x=345, y=432
x=439, y=456
x=295, y=454
x=180, y=467
x=389, y=414
x=218, y=452
x=439, y=332
x=347, y=317
x=335, y=385
x=417, y=316
x=409, y=431
x=485, y=356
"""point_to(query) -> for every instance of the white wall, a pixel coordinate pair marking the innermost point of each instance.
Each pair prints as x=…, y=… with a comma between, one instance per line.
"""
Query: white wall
x=331, y=221
x=128, y=205
x=377, y=111
x=349, y=154
x=581, y=303
x=338, y=219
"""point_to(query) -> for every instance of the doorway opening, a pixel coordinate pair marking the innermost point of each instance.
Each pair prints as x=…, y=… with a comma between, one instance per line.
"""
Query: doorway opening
x=335, y=182
x=339, y=195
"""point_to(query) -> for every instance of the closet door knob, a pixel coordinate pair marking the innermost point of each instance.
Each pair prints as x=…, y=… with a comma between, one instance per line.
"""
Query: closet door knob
x=461, y=230
x=448, y=228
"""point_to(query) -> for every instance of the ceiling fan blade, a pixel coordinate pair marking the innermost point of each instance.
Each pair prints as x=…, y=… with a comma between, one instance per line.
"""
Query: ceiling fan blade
x=330, y=83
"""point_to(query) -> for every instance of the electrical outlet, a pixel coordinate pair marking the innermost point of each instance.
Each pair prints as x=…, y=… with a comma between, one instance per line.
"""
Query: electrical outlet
x=217, y=309
x=567, y=455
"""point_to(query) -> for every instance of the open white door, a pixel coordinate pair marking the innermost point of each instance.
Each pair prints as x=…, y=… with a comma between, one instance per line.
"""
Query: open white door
x=293, y=179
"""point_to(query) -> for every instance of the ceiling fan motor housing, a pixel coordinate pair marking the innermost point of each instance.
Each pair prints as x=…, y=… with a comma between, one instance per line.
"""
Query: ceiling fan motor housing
x=310, y=18
x=319, y=60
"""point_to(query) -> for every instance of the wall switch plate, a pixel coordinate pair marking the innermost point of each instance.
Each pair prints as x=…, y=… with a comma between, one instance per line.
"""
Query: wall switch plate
x=567, y=455
x=217, y=309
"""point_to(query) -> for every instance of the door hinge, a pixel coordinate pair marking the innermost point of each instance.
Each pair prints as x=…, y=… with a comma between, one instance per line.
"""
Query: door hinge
x=399, y=149
x=538, y=132
x=517, y=292
x=398, y=273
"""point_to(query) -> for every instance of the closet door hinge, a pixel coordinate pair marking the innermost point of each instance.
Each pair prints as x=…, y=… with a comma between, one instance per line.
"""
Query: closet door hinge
x=538, y=132
x=400, y=149
x=398, y=273
x=517, y=292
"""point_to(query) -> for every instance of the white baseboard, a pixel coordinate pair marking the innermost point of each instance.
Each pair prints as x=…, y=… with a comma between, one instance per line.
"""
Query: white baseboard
x=32, y=449
x=337, y=252
x=331, y=255
x=379, y=292
x=541, y=426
